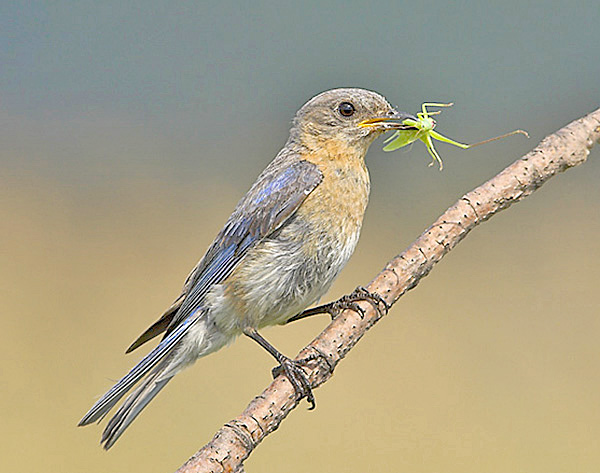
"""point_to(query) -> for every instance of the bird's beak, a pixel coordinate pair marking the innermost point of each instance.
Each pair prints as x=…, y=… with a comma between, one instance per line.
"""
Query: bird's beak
x=392, y=121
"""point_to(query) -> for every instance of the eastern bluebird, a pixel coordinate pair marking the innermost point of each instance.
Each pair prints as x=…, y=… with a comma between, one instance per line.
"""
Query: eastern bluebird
x=279, y=252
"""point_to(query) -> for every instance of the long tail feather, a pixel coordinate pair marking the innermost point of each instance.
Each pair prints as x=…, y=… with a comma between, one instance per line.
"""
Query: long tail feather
x=133, y=405
x=151, y=360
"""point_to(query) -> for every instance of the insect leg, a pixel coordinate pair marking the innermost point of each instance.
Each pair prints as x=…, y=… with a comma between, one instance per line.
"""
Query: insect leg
x=432, y=151
x=436, y=136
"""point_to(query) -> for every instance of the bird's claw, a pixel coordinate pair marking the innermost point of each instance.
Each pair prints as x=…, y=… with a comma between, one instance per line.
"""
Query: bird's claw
x=293, y=370
x=376, y=300
x=350, y=302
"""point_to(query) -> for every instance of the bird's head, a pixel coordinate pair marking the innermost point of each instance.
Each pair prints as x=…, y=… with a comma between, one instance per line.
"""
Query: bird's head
x=352, y=117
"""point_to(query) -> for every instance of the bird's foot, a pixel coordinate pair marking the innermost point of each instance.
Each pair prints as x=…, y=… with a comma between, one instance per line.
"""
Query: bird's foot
x=293, y=370
x=348, y=302
x=376, y=300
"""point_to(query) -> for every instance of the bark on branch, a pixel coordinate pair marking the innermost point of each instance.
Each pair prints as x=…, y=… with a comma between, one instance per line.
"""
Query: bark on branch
x=236, y=440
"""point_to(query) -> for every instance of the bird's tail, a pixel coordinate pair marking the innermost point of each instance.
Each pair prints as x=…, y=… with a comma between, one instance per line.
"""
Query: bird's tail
x=153, y=372
x=135, y=403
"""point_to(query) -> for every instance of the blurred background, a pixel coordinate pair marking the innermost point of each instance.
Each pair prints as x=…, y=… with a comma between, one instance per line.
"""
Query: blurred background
x=128, y=132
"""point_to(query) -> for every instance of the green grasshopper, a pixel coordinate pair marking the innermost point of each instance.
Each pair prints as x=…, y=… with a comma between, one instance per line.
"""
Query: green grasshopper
x=422, y=129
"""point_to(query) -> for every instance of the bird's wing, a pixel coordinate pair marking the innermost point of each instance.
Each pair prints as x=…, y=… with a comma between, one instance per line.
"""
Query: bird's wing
x=272, y=200
x=159, y=326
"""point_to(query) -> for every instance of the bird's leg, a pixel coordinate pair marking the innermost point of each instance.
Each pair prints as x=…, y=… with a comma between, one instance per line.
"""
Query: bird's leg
x=347, y=302
x=291, y=368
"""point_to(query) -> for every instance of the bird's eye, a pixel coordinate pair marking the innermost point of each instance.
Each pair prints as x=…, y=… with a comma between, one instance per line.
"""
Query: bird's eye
x=346, y=109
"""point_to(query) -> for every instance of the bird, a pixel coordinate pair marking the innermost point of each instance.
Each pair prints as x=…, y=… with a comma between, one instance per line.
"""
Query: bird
x=286, y=241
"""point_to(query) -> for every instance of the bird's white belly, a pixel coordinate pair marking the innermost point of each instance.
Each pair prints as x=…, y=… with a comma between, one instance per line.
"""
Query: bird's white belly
x=278, y=279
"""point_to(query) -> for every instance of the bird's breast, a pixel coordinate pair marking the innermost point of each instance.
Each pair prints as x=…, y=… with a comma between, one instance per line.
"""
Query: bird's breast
x=340, y=201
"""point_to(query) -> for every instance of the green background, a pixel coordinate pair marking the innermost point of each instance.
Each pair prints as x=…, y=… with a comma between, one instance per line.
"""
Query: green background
x=128, y=132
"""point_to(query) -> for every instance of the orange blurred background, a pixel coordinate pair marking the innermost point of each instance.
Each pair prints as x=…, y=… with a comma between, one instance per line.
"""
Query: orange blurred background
x=128, y=135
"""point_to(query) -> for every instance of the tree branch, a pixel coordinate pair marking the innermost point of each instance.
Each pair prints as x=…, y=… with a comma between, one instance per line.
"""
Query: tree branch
x=236, y=440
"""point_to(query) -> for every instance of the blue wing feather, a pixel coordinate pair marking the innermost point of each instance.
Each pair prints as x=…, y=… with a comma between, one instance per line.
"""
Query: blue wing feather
x=275, y=196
